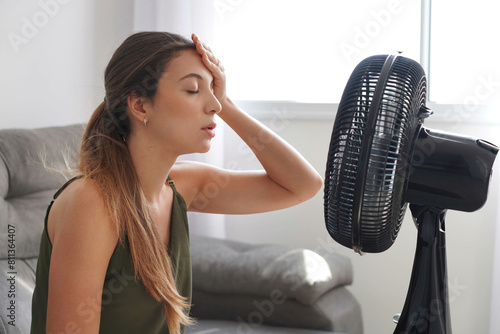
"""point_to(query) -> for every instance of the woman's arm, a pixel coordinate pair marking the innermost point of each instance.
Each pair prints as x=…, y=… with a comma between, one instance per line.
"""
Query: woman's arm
x=82, y=243
x=287, y=179
x=284, y=166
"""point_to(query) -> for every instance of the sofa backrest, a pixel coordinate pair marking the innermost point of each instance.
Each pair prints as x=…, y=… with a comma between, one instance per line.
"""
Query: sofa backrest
x=26, y=188
x=26, y=185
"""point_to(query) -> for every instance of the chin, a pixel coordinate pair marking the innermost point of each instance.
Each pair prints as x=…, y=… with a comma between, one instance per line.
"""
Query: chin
x=204, y=148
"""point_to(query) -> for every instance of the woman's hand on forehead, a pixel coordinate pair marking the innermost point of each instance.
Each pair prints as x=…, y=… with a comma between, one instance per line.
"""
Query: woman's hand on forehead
x=214, y=65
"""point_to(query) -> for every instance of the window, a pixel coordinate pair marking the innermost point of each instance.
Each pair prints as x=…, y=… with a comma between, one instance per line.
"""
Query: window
x=304, y=51
x=465, y=52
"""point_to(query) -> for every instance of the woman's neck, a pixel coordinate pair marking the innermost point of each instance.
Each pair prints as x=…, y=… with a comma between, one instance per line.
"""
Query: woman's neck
x=152, y=164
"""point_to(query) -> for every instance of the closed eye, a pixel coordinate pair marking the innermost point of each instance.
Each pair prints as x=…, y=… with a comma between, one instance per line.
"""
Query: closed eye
x=193, y=91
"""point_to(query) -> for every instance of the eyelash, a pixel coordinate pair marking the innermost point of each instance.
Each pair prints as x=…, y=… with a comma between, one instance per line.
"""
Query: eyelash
x=193, y=91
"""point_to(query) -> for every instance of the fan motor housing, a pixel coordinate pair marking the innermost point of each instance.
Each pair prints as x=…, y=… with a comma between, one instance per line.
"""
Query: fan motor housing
x=450, y=171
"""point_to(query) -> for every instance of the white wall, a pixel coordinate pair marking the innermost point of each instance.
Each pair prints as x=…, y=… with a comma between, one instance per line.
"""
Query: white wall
x=53, y=58
x=381, y=280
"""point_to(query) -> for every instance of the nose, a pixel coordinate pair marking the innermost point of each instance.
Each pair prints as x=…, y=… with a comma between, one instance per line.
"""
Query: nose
x=213, y=104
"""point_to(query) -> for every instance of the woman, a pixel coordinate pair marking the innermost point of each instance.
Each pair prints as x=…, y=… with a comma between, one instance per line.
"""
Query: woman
x=114, y=256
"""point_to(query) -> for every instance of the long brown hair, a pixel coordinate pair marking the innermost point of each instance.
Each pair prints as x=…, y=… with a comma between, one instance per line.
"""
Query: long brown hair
x=135, y=68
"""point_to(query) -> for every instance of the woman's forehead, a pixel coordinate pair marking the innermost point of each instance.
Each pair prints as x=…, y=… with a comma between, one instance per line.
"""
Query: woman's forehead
x=187, y=63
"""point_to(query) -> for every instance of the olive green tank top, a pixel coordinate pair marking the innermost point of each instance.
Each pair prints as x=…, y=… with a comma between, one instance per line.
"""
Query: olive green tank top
x=127, y=307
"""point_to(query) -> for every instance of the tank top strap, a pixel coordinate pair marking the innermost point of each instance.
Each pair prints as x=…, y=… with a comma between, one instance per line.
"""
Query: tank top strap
x=178, y=199
x=171, y=183
x=65, y=185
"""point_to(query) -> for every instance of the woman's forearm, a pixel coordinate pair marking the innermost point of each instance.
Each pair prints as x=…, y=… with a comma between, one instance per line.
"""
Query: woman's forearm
x=282, y=163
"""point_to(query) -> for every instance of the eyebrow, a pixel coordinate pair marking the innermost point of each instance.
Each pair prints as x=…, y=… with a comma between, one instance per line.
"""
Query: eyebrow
x=191, y=75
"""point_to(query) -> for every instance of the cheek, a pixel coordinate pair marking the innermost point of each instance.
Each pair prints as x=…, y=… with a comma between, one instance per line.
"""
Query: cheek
x=179, y=127
x=179, y=114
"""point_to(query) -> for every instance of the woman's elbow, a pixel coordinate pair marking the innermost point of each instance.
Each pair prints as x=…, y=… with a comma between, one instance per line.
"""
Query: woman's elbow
x=312, y=186
x=316, y=184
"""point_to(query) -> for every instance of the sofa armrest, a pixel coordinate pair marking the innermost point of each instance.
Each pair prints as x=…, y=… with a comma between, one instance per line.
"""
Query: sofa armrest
x=230, y=267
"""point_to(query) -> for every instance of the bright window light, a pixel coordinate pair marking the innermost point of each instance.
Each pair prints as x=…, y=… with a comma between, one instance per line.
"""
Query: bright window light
x=465, y=52
x=304, y=51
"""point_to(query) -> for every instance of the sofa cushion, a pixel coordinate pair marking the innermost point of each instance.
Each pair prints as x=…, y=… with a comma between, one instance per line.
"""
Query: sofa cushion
x=337, y=310
x=231, y=327
x=27, y=185
x=230, y=267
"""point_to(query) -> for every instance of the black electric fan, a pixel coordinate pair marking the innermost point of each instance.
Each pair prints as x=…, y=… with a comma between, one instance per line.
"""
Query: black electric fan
x=381, y=158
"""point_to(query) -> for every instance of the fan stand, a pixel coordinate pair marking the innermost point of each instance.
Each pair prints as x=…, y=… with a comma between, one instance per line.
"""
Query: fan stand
x=426, y=308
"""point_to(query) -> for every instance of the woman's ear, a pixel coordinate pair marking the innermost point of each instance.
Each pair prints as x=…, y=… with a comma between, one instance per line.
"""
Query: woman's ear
x=137, y=108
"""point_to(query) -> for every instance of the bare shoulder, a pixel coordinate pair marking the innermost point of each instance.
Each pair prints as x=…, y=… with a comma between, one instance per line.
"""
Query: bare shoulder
x=187, y=176
x=183, y=166
x=192, y=177
x=202, y=183
x=79, y=210
x=184, y=171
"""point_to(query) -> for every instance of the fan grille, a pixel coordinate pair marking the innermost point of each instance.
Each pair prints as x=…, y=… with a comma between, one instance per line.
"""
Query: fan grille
x=370, y=222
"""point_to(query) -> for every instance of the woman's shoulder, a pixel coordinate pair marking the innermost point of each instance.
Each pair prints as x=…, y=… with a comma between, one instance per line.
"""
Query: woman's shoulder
x=79, y=209
x=188, y=174
x=183, y=173
x=79, y=196
x=191, y=169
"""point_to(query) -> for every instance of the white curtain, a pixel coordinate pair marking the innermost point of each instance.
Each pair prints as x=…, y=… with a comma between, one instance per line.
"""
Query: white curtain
x=186, y=17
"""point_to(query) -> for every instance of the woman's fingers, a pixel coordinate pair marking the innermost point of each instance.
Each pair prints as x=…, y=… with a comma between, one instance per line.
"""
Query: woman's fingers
x=213, y=64
x=204, y=49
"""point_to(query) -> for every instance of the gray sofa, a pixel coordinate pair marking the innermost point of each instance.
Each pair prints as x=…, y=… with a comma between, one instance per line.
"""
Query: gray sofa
x=237, y=287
